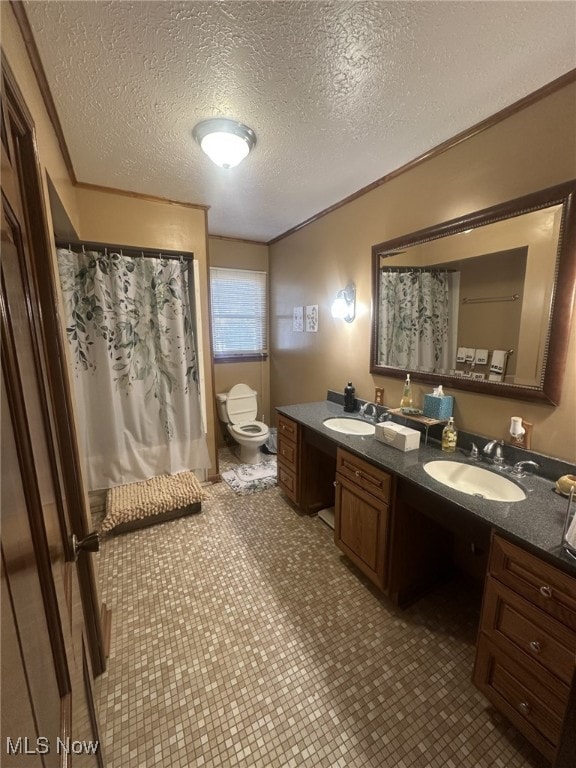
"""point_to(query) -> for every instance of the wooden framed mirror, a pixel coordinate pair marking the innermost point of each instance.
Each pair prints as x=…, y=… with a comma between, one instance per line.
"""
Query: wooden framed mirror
x=481, y=303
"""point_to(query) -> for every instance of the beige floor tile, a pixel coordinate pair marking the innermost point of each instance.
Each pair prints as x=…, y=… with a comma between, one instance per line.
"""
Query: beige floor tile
x=242, y=637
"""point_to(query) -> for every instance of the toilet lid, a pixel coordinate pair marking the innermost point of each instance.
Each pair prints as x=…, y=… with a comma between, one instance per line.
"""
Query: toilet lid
x=241, y=404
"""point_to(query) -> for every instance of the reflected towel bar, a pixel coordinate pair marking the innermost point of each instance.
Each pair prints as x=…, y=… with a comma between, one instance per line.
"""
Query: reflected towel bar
x=488, y=299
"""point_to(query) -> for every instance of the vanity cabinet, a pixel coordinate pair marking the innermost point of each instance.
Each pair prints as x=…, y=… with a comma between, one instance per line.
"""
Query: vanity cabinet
x=526, y=652
x=361, y=516
x=288, y=452
x=306, y=466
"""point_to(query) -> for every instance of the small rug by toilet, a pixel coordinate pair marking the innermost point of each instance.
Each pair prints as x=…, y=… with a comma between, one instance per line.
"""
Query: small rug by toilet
x=250, y=478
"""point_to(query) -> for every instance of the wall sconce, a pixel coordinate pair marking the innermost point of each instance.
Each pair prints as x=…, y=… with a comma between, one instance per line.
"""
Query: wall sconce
x=226, y=142
x=344, y=305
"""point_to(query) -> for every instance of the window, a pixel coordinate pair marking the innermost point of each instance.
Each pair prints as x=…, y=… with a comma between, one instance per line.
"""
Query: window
x=239, y=314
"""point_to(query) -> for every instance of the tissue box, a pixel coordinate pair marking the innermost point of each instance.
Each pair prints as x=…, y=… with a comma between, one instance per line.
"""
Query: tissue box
x=397, y=436
x=438, y=407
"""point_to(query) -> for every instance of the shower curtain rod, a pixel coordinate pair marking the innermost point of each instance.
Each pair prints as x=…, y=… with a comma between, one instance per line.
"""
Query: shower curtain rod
x=415, y=268
x=126, y=250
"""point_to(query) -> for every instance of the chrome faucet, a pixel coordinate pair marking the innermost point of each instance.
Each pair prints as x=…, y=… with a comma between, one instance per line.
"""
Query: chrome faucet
x=496, y=446
x=365, y=407
x=518, y=468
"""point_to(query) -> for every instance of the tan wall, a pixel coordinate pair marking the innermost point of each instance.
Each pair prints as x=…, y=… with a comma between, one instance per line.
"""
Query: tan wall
x=495, y=325
x=51, y=159
x=531, y=150
x=241, y=255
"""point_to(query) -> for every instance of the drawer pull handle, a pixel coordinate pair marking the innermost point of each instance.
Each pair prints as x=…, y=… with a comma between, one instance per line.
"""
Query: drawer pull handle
x=535, y=646
x=524, y=707
x=545, y=591
x=358, y=473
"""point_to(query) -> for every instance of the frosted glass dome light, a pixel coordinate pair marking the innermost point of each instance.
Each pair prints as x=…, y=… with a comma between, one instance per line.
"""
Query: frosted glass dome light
x=226, y=142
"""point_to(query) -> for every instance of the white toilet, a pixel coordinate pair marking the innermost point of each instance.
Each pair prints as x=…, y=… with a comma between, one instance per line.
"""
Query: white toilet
x=237, y=409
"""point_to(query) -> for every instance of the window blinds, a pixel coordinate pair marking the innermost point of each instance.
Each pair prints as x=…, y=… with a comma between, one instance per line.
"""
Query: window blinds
x=239, y=312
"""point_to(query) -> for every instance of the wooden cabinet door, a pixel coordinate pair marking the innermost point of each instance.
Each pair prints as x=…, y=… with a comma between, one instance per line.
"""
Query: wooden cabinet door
x=361, y=529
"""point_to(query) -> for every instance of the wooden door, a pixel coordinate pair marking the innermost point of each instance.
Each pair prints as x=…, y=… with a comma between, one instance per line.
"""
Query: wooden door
x=47, y=710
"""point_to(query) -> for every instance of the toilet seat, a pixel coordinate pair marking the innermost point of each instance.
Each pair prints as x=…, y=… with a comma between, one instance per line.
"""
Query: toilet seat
x=237, y=409
x=250, y=429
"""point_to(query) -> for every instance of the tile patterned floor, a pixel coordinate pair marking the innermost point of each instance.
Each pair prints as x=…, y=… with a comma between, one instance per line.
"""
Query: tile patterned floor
x=241, y=637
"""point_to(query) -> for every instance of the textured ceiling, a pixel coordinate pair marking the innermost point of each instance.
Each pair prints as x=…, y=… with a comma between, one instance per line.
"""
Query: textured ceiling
x=338, y=93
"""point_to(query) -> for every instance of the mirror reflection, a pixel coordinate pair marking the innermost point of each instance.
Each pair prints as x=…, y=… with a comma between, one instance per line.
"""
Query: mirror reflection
x=472, y=301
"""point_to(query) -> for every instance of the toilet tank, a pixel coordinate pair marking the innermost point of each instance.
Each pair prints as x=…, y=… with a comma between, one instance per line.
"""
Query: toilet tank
x=221, y=406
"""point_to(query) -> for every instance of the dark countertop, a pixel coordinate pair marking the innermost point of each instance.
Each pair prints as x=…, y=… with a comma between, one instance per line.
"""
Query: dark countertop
x=536, y=522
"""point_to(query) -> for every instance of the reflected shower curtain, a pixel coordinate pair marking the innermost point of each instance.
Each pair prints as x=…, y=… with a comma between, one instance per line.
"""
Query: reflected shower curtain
x=131, y=330
x=418, y=319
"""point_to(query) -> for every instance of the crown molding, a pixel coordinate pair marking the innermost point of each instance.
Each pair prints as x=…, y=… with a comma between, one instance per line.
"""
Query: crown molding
x=483, y=125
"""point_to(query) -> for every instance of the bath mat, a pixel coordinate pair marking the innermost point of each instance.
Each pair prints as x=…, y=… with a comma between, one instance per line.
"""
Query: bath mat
x=250, y=478
x=149, y=501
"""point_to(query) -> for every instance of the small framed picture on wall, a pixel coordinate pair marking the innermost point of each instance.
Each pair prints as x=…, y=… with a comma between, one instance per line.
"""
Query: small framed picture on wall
x=298, y=319
x=312, y=318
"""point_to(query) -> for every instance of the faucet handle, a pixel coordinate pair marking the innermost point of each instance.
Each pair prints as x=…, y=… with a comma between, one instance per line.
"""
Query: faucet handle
x=473, y=451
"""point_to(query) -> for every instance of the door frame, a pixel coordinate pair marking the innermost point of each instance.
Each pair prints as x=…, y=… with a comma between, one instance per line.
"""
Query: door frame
x=54, y=356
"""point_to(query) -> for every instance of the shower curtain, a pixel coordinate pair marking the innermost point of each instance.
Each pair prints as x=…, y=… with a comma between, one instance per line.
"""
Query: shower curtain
x=131, y=329
x=418, y=319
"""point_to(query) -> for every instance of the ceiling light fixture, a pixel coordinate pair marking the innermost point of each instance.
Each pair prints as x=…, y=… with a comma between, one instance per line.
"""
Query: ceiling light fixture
x=225, y=141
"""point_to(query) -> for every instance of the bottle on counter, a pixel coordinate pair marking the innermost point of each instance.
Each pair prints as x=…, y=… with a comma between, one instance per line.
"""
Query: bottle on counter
x=449, y=436
x=349, y=398
x=406, y=399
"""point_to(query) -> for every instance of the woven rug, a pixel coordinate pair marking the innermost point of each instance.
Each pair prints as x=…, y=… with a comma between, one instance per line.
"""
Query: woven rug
x=250, y=478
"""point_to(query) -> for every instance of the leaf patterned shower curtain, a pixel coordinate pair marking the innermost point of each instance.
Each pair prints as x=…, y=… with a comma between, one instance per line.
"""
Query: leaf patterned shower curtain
x=418, y=319
x=131, y=329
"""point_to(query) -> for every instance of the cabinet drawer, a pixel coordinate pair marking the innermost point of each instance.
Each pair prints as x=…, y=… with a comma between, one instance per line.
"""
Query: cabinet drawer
x=535, y=709
x=366, y=476
x=542, y=584
x=523, y=630
x=287, y=452
x=287, y=428
x=288, y=482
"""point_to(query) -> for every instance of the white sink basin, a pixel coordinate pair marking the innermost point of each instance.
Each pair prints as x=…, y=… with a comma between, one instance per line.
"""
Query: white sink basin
x=349, y=426
x=475, y=481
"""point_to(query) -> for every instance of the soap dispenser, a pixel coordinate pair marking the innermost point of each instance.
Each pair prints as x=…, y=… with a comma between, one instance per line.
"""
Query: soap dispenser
x=449, y=436
x=406, y=399
x=349, y=398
